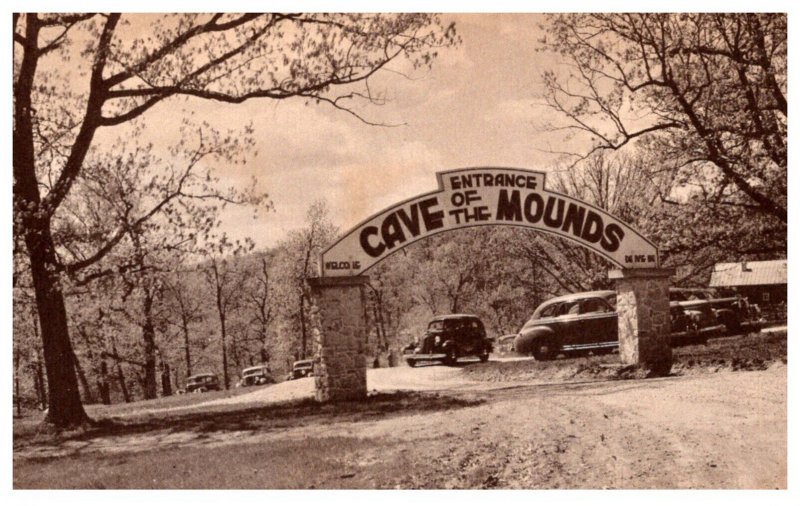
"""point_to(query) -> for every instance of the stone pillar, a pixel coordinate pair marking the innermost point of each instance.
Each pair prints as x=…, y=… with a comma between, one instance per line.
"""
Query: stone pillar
x=644, y=318
x=339, y=329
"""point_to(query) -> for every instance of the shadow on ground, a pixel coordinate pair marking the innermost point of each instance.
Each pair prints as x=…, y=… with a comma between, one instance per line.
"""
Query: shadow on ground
x=274, y=416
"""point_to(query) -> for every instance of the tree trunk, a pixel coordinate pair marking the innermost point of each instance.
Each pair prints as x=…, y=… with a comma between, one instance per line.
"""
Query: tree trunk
x=186, y=347
x=64, y=400
x=120, y=376
x=149, y=383
x=166, y=380
x=302, y=326
x=224, y=351
x=17, y=399
x=235, y=351
x=87, y=392
x=221, y=307
x=38, y=378
x=102, y=383
x=38, y=383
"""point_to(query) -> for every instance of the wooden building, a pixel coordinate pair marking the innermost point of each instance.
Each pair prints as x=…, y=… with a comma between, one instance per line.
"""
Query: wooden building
x=762, y=282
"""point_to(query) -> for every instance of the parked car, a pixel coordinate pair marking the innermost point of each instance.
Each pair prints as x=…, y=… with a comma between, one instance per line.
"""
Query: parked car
x=450, y=337
x=256, y=375
x=733, y=311
x=301, y=369
x=588, y=321
x=202, y=383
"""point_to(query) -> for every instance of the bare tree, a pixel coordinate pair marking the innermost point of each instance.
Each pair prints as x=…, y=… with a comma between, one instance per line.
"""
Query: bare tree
x=304, y=247
x=225, y=276
x=185, y=305
x=260, y=300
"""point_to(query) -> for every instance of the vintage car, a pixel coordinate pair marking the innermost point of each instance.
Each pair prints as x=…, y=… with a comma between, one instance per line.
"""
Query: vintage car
x=202, y=383
x=301, y=369
x=256, y=375
x=449, y=337
x=588, y=321
x=733, y=311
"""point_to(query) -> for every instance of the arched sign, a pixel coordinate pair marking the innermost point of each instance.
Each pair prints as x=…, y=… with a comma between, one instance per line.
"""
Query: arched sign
x=487, y=196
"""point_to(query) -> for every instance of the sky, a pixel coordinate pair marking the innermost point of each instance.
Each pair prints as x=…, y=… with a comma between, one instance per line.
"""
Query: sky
x=477, y=106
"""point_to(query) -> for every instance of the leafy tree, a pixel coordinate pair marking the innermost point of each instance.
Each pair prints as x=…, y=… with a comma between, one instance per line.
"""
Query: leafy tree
x=706, y=93
x=224, y=57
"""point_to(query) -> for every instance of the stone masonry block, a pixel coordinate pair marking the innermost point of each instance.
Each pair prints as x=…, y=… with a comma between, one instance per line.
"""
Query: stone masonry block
x=643, y=317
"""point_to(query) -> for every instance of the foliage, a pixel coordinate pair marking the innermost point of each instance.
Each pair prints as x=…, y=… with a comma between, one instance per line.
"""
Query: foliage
x=122, y=67
x=704, y=93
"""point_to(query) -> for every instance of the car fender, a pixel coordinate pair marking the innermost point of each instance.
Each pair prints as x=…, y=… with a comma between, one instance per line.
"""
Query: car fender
x=526, y=340
x=730, y=319
x=450, y=343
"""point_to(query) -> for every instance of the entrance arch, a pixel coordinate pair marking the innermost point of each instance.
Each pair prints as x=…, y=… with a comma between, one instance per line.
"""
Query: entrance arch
x=483, y=196
x=487, y=196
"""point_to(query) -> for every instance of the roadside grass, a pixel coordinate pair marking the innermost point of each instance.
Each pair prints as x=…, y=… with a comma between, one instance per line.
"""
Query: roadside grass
x=755, y=351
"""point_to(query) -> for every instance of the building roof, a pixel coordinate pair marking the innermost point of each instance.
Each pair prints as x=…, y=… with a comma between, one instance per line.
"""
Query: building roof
x=769, y=272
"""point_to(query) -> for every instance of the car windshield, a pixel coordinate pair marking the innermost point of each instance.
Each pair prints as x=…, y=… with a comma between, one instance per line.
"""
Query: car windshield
x=257, y=370
x=199, y=379
x=437, y=325
x=305, y=363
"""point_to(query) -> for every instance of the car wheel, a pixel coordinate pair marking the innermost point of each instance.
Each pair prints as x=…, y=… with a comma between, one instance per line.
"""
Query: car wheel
x=411, y=362
x=732, y=325
x=484, y=356
x=452, y=356
x=693, y=334
x=201, y=390
x=544, y=351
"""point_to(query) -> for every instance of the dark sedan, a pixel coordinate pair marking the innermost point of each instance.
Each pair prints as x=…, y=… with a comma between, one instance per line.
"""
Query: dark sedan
x=202, y=383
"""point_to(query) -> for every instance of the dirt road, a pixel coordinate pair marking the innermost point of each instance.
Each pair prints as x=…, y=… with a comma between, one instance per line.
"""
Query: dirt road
x=725, y=430
x=424, y=378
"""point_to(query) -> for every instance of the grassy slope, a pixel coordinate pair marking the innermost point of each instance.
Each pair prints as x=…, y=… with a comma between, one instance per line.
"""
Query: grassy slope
x=751, y=352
